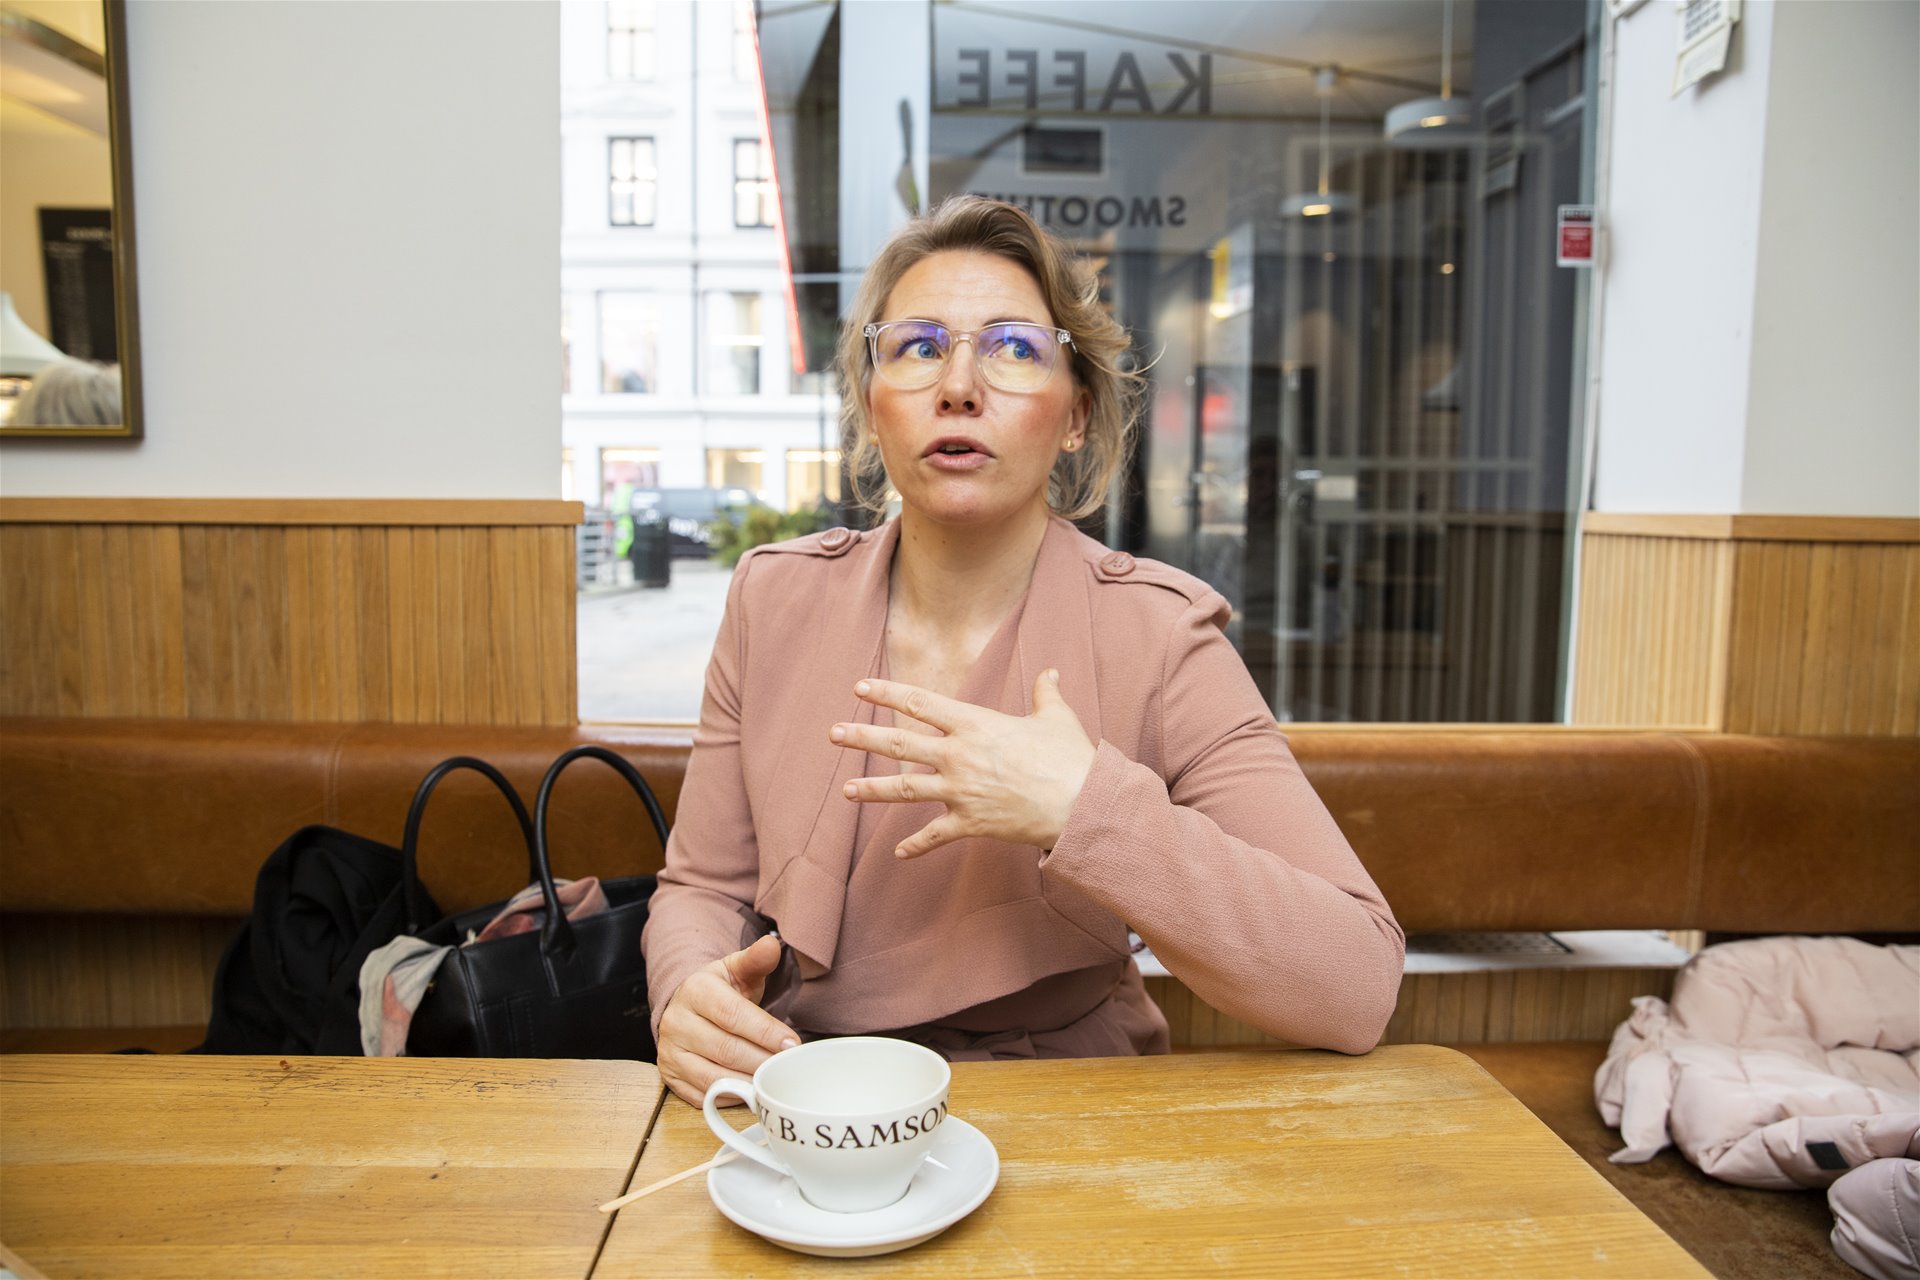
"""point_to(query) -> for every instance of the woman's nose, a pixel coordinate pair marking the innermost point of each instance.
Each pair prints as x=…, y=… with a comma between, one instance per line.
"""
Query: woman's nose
x=960, y=380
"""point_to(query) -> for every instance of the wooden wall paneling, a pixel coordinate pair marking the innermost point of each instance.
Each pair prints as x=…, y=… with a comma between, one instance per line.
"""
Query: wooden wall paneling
x=274, y=673
x=428, y=705
x=62, y=569
x=1881, y=585
x=304, y=678
x=1825, y=639
x=1757, y=588
x=1719, y=634
x=108, y=971
x=96, y=688
x=537, y=631
x=398, y=549
x=170, y=697
x=503, y=651
x=372, y=647
x=1822, y=635
x=1455, y=1008
x=23, y=684
x=559, y=648
x=296, y=620
x=323, y=610
x=1906, y=663
x=451, y=684
x=122, y=657
x=476, y=597
x=1750, y=635
x=350, y=658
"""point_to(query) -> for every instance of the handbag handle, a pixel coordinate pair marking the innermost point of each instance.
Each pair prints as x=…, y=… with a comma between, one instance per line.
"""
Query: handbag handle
x=556, y=932
x=409, y=846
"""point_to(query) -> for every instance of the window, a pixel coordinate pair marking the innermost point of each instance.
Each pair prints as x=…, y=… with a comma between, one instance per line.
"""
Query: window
x=737, y=469
x=752, y=184
x=746, y=58
x=813, y=476
x=566, y=475
x=566, y=345
x=624, y=470
x=633, y=182
x=629, y=343
x=1081, y=152
x=630, y=39
x=1366, y=437
x=734, y=340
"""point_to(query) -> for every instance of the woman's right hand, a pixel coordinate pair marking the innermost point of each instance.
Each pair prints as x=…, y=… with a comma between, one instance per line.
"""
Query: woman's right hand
x=714, y=1026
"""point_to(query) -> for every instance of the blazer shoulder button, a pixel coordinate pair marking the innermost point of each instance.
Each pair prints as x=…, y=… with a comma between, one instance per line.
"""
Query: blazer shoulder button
x=836, y=540
x=1117, y=565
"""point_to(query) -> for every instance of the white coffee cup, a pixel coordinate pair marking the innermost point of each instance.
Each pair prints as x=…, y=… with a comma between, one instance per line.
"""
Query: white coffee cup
x=849, y=1119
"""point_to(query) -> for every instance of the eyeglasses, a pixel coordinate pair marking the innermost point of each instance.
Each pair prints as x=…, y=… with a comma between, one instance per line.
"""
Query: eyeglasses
x=911, y=354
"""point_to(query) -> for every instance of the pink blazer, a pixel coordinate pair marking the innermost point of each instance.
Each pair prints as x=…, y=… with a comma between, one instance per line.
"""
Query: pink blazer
x=1195, y=827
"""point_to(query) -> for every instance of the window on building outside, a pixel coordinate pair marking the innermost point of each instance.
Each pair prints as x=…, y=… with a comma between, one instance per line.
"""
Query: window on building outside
x=624, y=470
x=753, y=198
x=813, y=475
x=738, y=469
x=734, y=340
x=630, y=41
x=746, y=59
x=629, y=343
x=566, y=345
x=566, y=475
x=633, y=182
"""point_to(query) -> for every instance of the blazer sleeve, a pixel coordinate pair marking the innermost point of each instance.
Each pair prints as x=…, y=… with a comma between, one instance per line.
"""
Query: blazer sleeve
x=713, y=856
x=1230, y=867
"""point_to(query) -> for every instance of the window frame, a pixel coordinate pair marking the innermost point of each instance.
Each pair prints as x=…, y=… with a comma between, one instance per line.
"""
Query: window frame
x=645, y=23
x=650, y=184
x=764, y=197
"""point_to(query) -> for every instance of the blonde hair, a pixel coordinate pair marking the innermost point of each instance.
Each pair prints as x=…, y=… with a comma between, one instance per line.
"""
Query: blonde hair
x=1098, y=360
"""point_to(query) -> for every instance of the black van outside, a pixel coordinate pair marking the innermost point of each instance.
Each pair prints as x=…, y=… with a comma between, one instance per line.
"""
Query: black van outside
x=688, y=513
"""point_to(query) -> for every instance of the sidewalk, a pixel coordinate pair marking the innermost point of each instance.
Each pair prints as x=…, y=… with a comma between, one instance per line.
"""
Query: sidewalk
x=643, y=653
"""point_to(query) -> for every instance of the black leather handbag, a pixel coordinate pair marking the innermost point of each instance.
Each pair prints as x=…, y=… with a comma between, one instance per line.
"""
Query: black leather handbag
x=571, y=989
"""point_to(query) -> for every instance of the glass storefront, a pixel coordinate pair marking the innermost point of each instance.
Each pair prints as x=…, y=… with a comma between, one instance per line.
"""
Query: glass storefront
x=1363, y=425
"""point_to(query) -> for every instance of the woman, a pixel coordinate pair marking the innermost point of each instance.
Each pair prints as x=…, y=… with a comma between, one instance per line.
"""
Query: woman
x=954, y=758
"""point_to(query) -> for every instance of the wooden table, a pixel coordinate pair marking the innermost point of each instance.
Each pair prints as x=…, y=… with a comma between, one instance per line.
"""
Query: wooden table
x=171, y=1166
x=1409, y=1161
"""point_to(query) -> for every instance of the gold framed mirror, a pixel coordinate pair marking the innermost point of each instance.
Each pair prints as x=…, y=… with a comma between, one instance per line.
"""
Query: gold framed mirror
x=69, y=318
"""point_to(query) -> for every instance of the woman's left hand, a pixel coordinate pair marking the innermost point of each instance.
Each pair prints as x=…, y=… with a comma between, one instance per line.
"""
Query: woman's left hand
x=1011, y=778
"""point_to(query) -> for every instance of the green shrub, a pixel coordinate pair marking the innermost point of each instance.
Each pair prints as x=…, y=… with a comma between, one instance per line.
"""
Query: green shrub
x=761, y=526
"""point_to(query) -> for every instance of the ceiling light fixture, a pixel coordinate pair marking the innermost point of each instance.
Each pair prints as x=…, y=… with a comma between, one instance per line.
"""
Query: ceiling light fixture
x=1321, y=202
x=1434, y=123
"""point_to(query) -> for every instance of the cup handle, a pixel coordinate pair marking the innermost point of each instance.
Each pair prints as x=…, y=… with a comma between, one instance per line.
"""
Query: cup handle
x=727, y=1133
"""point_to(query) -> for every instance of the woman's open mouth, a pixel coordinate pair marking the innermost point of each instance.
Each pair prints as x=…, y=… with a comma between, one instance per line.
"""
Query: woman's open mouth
x=956, y=453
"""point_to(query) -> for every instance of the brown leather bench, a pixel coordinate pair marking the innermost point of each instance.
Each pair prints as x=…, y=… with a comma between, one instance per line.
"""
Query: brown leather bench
x=1464, y=829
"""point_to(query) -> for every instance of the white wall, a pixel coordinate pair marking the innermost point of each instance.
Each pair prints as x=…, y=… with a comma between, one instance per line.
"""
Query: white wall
x=1683, y=222
x=348, y=228
x=1762, y=300
x=1833, y=423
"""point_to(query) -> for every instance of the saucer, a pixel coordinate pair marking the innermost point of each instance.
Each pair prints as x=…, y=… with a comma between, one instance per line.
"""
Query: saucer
x=957, y=1176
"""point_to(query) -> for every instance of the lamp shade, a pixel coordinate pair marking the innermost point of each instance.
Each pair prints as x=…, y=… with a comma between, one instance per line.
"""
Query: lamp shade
x=1430, y=124
x=23, y=352
x=1317, y=204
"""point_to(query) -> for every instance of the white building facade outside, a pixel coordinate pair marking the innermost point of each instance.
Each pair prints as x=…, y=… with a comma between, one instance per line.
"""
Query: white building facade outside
x=679, y=368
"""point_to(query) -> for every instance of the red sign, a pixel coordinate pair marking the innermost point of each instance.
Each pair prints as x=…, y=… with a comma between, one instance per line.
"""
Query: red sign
x=1576, y=235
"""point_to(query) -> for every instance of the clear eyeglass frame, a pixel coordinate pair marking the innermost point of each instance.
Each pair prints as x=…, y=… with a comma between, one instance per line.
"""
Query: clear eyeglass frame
x=988, y=368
